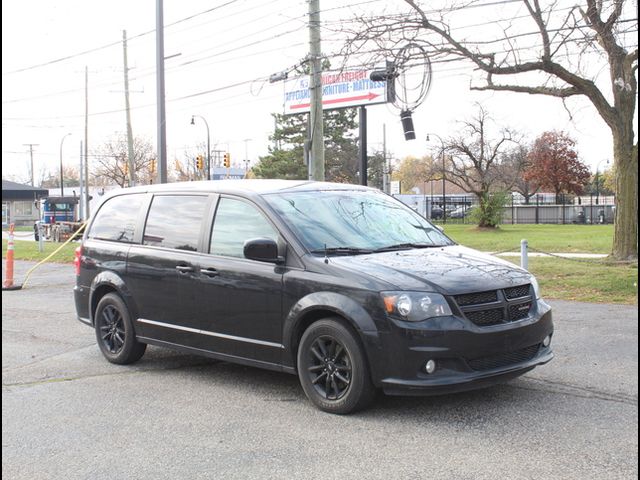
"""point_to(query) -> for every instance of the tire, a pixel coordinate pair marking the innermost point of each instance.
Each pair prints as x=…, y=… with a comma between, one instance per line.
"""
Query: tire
x=332, y=368
x=114, y=331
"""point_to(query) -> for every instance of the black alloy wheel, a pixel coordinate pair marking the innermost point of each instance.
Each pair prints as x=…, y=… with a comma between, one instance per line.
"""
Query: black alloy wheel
x=114, y=331
x=332, y=367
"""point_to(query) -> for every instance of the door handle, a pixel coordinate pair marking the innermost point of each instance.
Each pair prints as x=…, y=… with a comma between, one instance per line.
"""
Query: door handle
x=210, y=272
x=184, y=268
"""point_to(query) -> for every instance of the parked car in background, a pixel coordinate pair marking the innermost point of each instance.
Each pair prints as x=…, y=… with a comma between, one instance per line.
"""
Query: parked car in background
x=436, y=213
x=341, y=285
x=459, y=212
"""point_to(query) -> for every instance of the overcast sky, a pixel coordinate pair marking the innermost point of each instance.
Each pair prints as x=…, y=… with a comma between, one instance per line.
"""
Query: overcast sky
x=224, y=51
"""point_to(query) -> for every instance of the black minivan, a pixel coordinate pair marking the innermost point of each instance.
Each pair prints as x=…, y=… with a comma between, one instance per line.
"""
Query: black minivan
x=340, y=284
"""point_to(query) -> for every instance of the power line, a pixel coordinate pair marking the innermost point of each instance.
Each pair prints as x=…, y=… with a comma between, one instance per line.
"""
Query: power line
x=108, y=45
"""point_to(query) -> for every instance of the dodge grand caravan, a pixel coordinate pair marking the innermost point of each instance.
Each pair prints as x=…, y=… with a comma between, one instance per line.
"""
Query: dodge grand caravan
x=340, y=284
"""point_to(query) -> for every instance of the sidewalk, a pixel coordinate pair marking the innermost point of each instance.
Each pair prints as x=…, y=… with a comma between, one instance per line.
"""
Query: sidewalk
x=564, y=255
x=18, y=235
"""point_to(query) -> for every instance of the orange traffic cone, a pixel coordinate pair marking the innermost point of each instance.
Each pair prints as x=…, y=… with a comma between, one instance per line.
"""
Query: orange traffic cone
x=8, y=282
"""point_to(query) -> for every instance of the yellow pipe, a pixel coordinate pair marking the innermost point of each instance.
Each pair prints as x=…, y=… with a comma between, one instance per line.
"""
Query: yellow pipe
x=26, y=279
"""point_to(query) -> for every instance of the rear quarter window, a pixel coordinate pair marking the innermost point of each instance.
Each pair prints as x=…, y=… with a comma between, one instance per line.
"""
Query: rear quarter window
x=116, y=220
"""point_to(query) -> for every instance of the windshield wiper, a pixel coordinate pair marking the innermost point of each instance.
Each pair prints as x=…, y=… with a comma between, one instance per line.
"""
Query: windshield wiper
x=405, y=246
x=342, y=250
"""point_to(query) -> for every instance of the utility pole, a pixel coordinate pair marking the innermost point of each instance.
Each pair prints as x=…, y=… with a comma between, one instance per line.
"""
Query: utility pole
x=316, y=159
x=86, y=139
x=81, y=204
x=31, y=145
x=132, y=173
x=162, y=127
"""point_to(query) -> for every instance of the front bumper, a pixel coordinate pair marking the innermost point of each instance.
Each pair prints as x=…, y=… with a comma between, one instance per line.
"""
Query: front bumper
x=467, y=357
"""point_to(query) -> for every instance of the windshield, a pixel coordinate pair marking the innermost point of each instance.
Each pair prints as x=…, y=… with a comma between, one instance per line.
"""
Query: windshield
x=354, y=221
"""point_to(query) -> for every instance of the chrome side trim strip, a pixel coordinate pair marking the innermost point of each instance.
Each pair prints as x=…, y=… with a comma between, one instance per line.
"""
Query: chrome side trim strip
x=211, y=334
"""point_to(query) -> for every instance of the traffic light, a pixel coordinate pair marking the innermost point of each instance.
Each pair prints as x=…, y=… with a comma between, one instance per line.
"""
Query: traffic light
x=126, y=168
x=152, y=166
x=227, y=160
x=199, y=162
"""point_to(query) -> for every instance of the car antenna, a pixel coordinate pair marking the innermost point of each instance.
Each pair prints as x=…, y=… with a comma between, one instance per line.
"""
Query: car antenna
x=326, y=254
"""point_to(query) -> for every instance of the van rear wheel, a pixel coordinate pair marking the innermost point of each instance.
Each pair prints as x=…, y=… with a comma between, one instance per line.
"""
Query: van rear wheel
x=332, y=368
x=114, y=331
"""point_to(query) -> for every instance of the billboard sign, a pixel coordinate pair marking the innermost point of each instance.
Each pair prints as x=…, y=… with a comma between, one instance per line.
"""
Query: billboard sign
x=349, y=88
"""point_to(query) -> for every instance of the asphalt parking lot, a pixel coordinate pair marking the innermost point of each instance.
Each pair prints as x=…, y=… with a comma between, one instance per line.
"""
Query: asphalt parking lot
x=67, y=413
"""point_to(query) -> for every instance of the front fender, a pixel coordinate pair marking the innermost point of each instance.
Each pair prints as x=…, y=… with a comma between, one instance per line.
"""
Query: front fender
x=334, y=302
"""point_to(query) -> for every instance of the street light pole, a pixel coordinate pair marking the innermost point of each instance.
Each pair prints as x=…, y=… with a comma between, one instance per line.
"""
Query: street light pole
x=193, y=122
x=61, y=175
x=444, y=198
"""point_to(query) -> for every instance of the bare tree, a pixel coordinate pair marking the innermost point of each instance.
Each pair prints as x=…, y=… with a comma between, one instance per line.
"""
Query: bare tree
x=515, y=163
x=474, y=163
x=186, y=170
x=111, y=165
x=549, y=55
x=70, y=175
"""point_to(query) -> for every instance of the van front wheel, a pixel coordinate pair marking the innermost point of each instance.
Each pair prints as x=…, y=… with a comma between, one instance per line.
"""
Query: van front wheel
x=333, y=369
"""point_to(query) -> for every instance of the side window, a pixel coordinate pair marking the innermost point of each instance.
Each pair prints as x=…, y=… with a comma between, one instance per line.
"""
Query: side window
x=237, y=221
x=116, y=219
x=174, y=221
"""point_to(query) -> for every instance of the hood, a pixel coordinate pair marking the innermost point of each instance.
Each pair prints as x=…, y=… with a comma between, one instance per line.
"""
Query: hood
x=450, y=270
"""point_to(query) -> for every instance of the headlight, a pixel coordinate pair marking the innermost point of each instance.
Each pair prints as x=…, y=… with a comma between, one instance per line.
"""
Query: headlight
x=415, y=306
x=536, y=287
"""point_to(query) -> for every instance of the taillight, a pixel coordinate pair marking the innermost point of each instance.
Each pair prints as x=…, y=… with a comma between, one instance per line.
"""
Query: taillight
x=77, y=259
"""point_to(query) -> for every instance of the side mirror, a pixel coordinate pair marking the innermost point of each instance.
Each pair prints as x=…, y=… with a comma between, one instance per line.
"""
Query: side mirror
x=262, y=250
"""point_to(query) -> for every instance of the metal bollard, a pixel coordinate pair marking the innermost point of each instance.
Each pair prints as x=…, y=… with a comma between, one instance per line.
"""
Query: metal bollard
x=40, y=239
x=524, y=258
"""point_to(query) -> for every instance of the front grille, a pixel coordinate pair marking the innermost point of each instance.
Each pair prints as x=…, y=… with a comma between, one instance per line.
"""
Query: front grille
x=484, y=318
x=518, y=312
x=494, y=307
x=503, y=359
x=517, y=292
x=477, y=298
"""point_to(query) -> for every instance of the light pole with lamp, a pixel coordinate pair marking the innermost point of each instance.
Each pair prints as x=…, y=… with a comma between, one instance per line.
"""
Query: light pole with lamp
x=193, y=122
x=61, y=175
x=444, y=198
x=598, y=180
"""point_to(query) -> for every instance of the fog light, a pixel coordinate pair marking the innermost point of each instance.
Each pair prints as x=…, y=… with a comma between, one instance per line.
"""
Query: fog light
x=547, y=341
x=430, y=366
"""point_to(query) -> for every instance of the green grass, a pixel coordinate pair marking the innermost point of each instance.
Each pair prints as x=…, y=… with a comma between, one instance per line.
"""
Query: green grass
x=547, y=238
x=586, y=281
x=21, y=228
x=28, y=250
